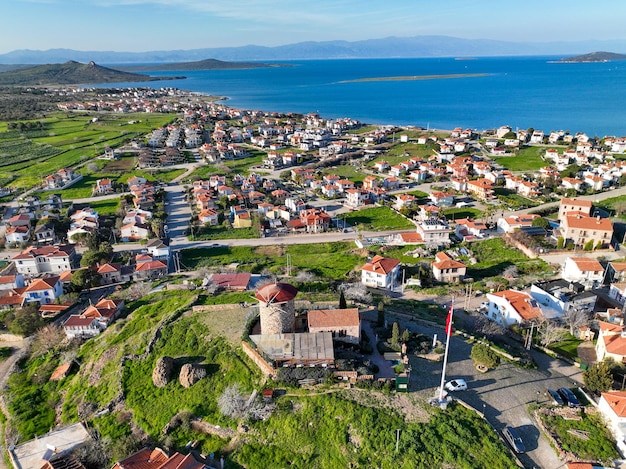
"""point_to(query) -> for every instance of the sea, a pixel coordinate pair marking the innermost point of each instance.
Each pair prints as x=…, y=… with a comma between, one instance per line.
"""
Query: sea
x=434, y=93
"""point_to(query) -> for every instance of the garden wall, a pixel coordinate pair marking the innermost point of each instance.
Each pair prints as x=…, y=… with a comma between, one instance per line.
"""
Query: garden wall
x=258, y=360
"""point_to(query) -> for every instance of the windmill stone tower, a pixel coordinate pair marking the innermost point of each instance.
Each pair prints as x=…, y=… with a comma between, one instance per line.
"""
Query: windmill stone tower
x=277, y=308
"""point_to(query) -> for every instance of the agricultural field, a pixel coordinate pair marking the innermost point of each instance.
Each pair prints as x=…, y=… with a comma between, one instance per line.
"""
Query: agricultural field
x=403, y=151
x=66, y=140
x=378, y=219
x=347, y=171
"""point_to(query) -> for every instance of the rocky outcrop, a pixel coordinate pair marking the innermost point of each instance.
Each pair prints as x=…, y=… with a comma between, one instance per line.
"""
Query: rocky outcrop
x=191, y=374
x=162, y=373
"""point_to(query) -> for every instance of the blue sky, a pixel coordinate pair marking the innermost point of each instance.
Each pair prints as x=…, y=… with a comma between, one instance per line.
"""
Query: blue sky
x=145, y=25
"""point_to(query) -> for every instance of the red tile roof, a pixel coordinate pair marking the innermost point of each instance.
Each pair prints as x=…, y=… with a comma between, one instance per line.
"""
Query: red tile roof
x=446, y=262
x=143, y=459
x=616, y=401
x=586, y=264
x=42, y=284
x=381, y=265
x=333, y=317
x=521, y=302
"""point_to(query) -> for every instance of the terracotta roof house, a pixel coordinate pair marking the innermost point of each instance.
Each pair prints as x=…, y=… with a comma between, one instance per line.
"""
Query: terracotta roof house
x=110, y=273
x=344, y=324
x=611, y=342
x=232, y=282
x=510, y=224
x=448, y=270
x=582, y=229
x=9, y=282
x=380, y=272
x=150, y=270
x=104, y=311
x=511, y=306
x=79, y=326
x=585, y=270
x=43, y=290
x=612, y=407
x=568, y=205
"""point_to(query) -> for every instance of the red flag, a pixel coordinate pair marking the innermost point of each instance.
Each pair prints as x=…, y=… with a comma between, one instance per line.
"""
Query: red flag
x=449, y=320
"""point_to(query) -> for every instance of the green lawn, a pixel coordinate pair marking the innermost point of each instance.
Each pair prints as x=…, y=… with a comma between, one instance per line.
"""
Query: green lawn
x=347, y=171
x=205, y=233
x=106, y=206
x=378, y=219
x=494, y=255
x=528, y=159
x=567, y=347
x=459, y=213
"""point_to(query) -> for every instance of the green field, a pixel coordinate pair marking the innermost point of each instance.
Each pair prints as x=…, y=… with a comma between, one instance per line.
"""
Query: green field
x=333, y=261
x=353, y=173
x=378, y=219
x=67, y=139
x=460, y=213
x=527, y=159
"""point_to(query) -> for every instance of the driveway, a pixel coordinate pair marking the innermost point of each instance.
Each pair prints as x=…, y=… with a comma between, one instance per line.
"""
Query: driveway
x=503, y=394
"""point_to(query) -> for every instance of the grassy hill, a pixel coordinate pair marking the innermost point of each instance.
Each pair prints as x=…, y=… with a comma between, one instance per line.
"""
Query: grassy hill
x=70, y=73
x=595, y=57
x=327, y=427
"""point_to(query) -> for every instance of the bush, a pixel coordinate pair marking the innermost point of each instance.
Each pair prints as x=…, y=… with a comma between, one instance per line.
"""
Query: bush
x=483, y=355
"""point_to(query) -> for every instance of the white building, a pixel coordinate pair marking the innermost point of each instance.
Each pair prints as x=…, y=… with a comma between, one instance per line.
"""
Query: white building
x=511, y=306
x=380, y=272
x=585, y=270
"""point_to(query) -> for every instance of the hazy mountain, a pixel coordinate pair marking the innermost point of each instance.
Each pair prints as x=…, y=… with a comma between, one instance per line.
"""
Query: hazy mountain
x=70, y=72
x=408, y=47
x=207, y=64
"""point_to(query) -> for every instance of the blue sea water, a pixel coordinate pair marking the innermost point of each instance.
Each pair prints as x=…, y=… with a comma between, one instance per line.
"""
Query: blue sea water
x=521, y=92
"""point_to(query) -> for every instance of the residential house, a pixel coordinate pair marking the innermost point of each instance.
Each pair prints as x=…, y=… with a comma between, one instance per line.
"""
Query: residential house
x=158, y=459
x=150, y=269
x=442, y=199
x=585, y=270
x=43, y=290
x=17, y=234
x=511, y=306
x=404, y=201
x=104, y=311
x=611, y=342
x=110, y=273
x=512, y=223
x=380, y=272
x=615, y=272
x=467, y=229
x=567, y=206
x=135, y=232
x=448, y=270
x=572, y=183
x=357, y=197
x=82, y=222
x=434, y=231
x=103, y=186
x=209, y=217
x=558, y=297
x=158, y=250
x=232, y=282
x=344, y=324
x=46, y=259
x=582, y=230
x=481, y=188
x=612, y=407
x=44, y=234
x=315, y=220
x=11, y=282
x=77, y=326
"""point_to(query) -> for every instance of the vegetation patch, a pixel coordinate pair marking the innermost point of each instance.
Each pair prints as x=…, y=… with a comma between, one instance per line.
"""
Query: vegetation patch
x=378, y=219
x=527, y=159
x=493, y=256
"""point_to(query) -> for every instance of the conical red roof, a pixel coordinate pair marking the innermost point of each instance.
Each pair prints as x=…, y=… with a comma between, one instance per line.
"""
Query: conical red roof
x=276, y=293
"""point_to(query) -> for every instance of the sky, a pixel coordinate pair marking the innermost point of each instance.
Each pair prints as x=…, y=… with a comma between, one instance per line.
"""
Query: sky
x=149, y=25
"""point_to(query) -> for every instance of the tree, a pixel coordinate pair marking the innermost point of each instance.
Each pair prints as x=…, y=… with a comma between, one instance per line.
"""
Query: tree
x=232, y=403
x=541, y=223
x=342, y=301
x=85, y=278
x=576, y=319
x=25, y=321
x=588, y=246
x=406, y=336
x=598, y=378
x=381, y=314
x=549, y=333
x=91, y=258
x=560, y=242
x=395, y=334
x=483, y=355
x=47, y=338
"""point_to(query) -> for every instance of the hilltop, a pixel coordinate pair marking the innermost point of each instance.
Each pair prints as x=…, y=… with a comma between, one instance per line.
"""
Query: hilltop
x=595, y=57
x=70, y=72
x=206, y=64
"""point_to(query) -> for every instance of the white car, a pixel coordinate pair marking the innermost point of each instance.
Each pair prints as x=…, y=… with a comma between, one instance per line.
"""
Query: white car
x=456, y=385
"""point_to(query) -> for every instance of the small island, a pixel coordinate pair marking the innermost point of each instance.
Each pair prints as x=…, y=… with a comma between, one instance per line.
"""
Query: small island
x=594, y=57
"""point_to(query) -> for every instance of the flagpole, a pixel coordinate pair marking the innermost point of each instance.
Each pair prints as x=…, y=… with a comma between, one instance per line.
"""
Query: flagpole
x=445, y=356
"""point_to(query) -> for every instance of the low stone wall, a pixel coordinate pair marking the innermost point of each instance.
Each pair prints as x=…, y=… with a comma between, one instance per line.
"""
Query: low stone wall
x=258, y=360
x=10, y=338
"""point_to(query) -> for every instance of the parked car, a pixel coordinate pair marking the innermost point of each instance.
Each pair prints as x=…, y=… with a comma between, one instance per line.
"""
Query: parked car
x=514, y=439
x=456, y=385
x=569, y=397
x=556, y=397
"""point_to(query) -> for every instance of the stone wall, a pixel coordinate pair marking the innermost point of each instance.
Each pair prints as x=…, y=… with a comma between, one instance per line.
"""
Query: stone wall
x=258, y=360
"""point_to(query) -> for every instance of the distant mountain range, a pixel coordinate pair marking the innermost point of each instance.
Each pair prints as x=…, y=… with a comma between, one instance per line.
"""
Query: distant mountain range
x=69, y=73
x=207, y=64
x=390, y=47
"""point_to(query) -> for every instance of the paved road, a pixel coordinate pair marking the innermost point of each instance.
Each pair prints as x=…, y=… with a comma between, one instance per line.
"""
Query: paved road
x=503, y=394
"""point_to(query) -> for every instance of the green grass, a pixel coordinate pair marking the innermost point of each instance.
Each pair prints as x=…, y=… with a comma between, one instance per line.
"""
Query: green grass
x=347, y=172
x=332, y=261
x=5, y=352
x=226, y=298
x=106, y=206
x=493, y=256
x=599, y=444
x=527, y=159
x=348, y=434
x=402, y=152
x=514, y=200
x=205, y=233
x=567, y=347
x=611, y=204
x=459, y=213
x=378, y=219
